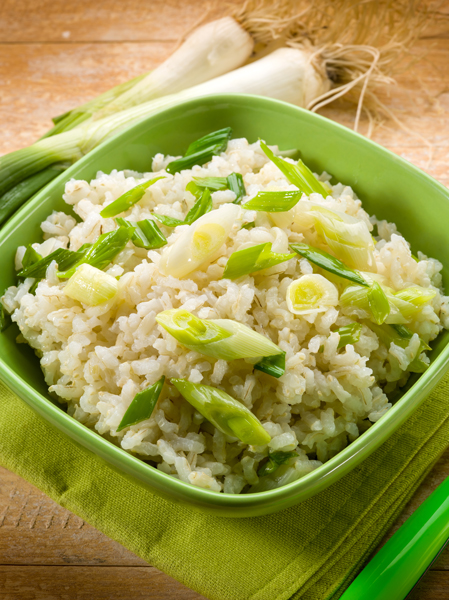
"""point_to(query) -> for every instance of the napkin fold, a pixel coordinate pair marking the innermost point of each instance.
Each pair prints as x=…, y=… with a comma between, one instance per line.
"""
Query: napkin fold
x=310, y=552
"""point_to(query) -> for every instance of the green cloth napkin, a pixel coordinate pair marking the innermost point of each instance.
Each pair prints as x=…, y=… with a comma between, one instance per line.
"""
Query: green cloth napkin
x=309, y=552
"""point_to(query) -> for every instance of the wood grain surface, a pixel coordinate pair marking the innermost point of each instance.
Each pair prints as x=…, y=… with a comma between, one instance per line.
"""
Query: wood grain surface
x=56, y=54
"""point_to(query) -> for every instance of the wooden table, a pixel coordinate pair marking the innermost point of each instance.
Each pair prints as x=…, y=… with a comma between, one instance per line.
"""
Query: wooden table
x=54, y=55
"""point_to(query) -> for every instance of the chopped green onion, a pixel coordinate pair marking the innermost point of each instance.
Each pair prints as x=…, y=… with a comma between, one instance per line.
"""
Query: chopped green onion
x=401, y=336
x=64, y=258
x=202, y=206
x=248, y=225
x=273, y=201
x=168, y=221
x=349, y=334
x=228, y=415
x=311, y=293
x=30, y=257
x=146, y=233
x=272, y=365
x=142, y=406
x=91, y=286
x=219, y=338
x=249, y=260
x=378, y=303
x=236, y=185
x=103, y=251
x=128, y=199
x=202, y=151
x=348, y=238
x=24, y=190
x=299, y=174
x=416, y=295
x=211, y=183
x=328, y=263
x=275, y=460
x=5, y=319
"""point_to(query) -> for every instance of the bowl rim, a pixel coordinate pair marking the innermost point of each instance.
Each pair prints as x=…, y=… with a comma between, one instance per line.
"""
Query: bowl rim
x=306, y=486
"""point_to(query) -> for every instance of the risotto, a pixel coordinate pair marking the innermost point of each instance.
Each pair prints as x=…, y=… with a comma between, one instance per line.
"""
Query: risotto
x=236, y=323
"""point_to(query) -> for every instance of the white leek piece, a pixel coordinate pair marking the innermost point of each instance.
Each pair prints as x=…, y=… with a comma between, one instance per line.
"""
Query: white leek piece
x=91, y=286
x=311, y=293
x=200, y=242
x=348, y=238
x=210, y=51
x=219, y=338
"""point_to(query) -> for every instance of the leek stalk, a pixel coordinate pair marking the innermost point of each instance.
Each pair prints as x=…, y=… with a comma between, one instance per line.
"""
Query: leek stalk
x=225, y=413
x=277, y=75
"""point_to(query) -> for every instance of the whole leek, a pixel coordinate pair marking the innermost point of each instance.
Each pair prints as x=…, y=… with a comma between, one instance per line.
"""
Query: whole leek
x=277, y=75
x=228, y=415
x=219, y=338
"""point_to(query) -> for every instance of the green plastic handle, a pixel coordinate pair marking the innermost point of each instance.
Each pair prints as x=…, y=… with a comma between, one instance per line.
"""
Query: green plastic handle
x=396, y=568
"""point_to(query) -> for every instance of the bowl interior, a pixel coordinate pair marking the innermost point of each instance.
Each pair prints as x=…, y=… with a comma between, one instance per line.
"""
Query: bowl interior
x=388, y=186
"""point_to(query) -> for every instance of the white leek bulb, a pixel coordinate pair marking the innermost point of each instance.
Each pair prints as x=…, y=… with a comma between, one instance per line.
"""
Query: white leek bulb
x=91, y=286
x=210, y=51
x=311, y=293
x=200, y=242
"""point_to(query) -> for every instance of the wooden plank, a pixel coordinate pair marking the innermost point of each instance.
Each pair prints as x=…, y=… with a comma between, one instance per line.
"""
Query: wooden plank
x=90, y=583
x=107, y=21
x=40, y=81
x=433, y=586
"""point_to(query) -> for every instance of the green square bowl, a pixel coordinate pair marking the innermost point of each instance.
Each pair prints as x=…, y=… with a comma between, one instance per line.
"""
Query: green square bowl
x=389, y=187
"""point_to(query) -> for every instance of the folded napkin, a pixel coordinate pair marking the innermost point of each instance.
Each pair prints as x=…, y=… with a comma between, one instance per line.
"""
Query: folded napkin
x=309, y=552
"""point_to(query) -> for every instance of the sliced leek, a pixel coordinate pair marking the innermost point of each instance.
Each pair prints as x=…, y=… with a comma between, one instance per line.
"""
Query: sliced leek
x=273, y=201
x=349, y=334
x=401, y=336
x=91, y=286
x=311, y=293
x=199, y=243
x=225, y=413
x=219, y=338
x=146, y=234
x=142, y=405
x=201, y=151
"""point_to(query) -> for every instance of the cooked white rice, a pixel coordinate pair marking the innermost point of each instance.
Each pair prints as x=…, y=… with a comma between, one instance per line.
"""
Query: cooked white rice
x=97, y=358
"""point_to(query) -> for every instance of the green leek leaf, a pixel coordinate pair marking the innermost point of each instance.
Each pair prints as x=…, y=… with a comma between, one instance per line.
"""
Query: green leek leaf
x=275, y=460
x=202, y=151
x=273, y=201
x=146, y=233
x=30, y=257
x=378, y=303
x=249, y=260
x=299, y=174
x=128, y=199
x=349, y=334
x=248, y=225
x=328, y=263
x=228, y=415
x=168, y=221
x=211, y=183
x=142, y=406
x=102, y=252
x=236, y=185
x=272, y=365
x=64, y=258
x=202, y=206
